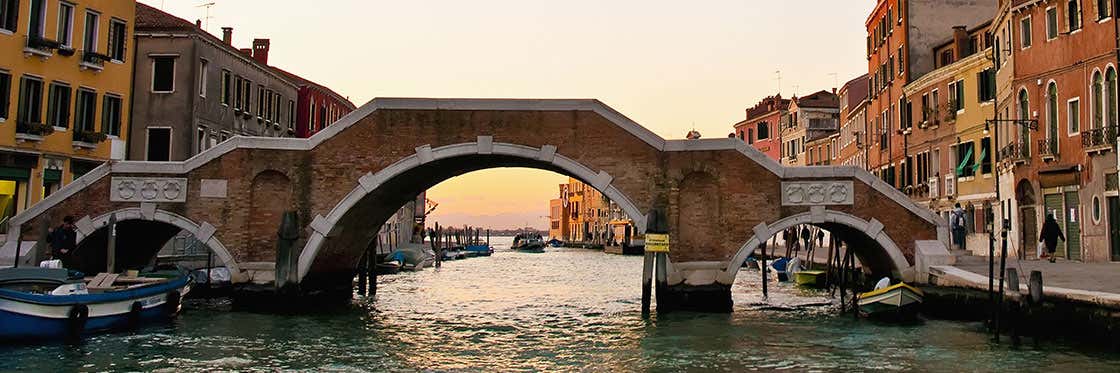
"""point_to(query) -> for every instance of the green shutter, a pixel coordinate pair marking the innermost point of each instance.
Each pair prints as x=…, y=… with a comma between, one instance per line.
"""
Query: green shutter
x=1073, y=227
x=1053, y=203
x=12, y=173
x=52, y=176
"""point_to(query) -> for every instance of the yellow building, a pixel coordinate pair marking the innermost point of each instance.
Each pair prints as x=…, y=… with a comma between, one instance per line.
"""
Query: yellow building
x=589, y=211
x=65, y=79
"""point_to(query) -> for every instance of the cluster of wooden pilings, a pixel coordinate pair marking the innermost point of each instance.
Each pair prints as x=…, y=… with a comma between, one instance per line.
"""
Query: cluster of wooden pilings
x=841, y=273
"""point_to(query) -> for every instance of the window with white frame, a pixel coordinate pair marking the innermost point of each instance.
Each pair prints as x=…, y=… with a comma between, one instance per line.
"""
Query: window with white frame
x=1025, y=32
x=118, y=36
x=37, y=23
x=1073, y=15
x=1051, y=23
x=65, y=33
x=111, y=118
x=163, y=74
x=1104, y=9
x=1073, y=116
x=203, y=66
x=91, y=30
x=9, y=15
x=226, y=89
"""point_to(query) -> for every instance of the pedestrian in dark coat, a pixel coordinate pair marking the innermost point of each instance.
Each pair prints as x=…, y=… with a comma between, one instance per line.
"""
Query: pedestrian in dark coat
x=63, y=241
x=1051, y=232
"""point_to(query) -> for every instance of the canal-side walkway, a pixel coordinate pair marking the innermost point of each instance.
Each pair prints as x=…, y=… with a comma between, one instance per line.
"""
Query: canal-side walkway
x=1095, y=283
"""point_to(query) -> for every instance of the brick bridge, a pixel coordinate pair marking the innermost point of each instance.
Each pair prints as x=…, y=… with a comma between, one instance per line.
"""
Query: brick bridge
x=721, y=196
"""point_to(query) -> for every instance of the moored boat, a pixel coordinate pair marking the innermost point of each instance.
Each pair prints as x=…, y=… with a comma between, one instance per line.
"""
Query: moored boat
x=479, y=249
x=44, y=304
x=895, y=301
x=810, y=278
x=528, y=243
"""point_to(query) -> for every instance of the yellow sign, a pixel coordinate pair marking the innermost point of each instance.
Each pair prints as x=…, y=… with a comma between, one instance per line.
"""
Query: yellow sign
x=657, y=243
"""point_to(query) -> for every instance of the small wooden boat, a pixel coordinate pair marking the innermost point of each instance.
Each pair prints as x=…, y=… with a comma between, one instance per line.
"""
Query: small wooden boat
x=555, y=243
x=899, y=300
x=810, y=278
x=44, y=304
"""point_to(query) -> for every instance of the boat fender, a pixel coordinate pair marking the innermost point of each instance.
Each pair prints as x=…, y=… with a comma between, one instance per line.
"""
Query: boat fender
x=172, y=303
x=134, y=314
x=76, y=320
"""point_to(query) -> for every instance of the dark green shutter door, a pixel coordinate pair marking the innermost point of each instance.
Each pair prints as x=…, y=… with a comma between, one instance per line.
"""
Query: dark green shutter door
x=1054, y=206
x=12, y=173
x=52, y=176
x=1073, y=225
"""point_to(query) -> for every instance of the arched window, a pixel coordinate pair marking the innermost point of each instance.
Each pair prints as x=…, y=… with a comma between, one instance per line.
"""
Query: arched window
x=1098, y=101
x=1110, y=97
x=1024, y=114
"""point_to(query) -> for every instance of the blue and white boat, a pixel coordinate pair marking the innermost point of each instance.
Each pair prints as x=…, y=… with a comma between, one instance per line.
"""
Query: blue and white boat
x=479, y=248
x=42, y=303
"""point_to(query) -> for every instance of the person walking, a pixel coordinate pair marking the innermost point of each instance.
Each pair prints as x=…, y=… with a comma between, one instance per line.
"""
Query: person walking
x=956, y=224
x=806, y=237
x=1051, y=232
x=63, y=240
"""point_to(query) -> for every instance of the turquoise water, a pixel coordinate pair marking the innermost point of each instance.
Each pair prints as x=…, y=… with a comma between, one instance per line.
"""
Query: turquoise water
x=564, y=310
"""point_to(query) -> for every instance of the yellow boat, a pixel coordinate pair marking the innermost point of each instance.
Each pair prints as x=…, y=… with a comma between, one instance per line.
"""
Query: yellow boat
x=895, y=300
x=810, y=278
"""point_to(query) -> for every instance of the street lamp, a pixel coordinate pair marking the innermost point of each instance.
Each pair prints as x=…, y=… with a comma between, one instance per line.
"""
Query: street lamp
x=1031, y=124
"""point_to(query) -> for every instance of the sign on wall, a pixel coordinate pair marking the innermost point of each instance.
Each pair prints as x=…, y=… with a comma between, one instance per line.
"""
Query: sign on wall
x=657, y=243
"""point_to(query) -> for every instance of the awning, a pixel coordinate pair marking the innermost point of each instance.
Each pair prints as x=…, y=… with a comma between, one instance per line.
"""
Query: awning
x=1059, y=176
x=983, y=154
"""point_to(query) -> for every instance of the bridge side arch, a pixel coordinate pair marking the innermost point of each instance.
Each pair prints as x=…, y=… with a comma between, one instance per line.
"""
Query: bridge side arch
x=203, y=232
x=323, y=226
x=873, y=229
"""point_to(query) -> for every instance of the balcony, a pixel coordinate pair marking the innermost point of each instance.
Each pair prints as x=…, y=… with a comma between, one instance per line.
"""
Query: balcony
x=1099, y=140
x=40, y=46
x=1048, y=149
x=93, y=61
x=87, y=140
x=32, y=131
x=1016, y=152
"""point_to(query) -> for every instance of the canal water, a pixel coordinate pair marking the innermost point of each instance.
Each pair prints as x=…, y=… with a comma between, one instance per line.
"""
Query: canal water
x=564, y=310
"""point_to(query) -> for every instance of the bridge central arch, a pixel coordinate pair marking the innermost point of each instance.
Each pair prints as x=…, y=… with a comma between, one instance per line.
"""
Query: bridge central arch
x=339, y=238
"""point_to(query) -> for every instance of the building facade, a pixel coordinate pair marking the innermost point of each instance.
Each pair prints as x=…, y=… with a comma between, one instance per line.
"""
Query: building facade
x=194, y=90
x=809, y=118
x=853, y=123
x=558, y=217
x=317, y=106
x=65, y=85
x=760, y=128
x=902, y=36
x=1063, y=80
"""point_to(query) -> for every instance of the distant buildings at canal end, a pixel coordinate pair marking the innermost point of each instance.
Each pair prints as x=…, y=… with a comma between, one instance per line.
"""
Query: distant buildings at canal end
x=583, y=215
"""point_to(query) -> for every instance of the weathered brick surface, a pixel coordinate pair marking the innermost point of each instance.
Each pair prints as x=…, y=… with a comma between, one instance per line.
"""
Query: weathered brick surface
x=713, y=199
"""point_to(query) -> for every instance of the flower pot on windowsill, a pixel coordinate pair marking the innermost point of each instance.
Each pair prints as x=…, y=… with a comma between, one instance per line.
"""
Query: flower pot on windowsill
x=88, y=139
x=65, y=51
x=27, y=131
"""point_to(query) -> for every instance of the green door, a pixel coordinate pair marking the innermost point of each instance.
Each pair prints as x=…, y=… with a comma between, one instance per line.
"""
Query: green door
x=1054, y=207
x=1114, y=227
x=1073, y=225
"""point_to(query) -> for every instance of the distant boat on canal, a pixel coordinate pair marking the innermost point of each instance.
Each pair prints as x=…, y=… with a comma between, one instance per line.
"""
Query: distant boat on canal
x=528, y=243
x=50, y=304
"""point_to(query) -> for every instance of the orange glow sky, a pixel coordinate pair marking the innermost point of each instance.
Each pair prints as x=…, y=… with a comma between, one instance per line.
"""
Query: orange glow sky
x=669, y=65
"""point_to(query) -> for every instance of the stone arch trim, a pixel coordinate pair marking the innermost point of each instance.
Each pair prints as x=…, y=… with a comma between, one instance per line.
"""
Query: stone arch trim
x=819, y=215
x=87, y=225
x=321, y=225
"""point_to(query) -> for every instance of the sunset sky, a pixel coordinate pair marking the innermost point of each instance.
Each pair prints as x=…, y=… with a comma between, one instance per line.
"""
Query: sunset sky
x=669, y=65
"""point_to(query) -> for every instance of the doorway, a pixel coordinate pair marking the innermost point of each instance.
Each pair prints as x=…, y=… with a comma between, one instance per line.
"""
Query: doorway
x=1114, y=227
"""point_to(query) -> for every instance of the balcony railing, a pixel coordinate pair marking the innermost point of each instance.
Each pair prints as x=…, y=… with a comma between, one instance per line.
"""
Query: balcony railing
x=1099, y=139
x=1048, y=148
x=1015, y=152
x=94, y=60
x=42, y=44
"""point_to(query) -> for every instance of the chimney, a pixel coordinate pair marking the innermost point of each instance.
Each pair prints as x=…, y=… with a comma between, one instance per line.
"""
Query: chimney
x=227, y=35
x=960, y=42
x=260, y=50
x=198, y=23
x=247, y=52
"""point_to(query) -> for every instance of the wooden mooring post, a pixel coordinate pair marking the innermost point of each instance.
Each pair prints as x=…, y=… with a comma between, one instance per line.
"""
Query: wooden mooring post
x=764, y=269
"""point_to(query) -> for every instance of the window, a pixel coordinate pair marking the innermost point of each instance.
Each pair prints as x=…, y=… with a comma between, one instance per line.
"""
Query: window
x=1096, y=106
x=1052, y=111
x=958, y=97
x=247, y=91
x=967, y=159
x=291, y=114
x=1051, y=23
x=30, y=101
x=987, y=81
x=311, y=116
x=225, y=88
x=1074, y=113
x=238, y=97
x=1073, y=15
x=261, y=100
x=159, y=144
x=763, y=130
x=936, y=105
x=901, y=61
x=1104, y=9
x=323, y=117
x=200, y=140
x=946, y=57
x=65, y=23
x=111, y=115
x=118, y=35
x=84, y=110
x=89, y=41
x=9, y=15
x=163, y=74
x=58, y=105
x=268, y=108
x=1025, y=33
x=1024, y=113
x=925, y=108
x=986, y=155
x=38, y=19
x=202, y=77
x=1110, y=97
x=276, y=107
x=5, y=94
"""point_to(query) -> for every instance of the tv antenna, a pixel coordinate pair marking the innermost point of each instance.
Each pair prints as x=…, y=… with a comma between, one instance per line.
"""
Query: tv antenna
x=779, y=77
x=835, y=80
x=206, y=19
